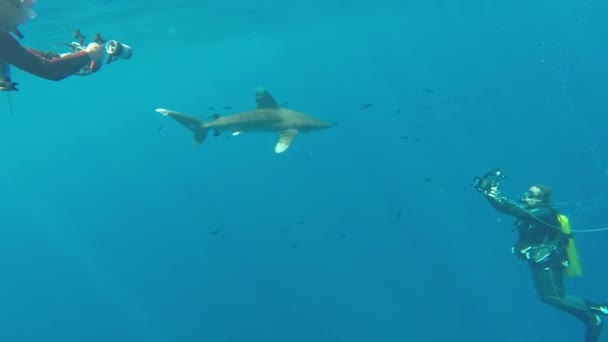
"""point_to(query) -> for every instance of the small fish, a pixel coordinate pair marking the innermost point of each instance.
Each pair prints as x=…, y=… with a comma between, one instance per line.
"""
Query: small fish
x=210, y=108
x=160, y=128
x=404, y=137
x=417, y=140
x=427, y=107
x=398, y=111
x=227, y=107
x=429, y=91
x=364, y=106
x=214, y=232
x=284, y=104
x=427, y=179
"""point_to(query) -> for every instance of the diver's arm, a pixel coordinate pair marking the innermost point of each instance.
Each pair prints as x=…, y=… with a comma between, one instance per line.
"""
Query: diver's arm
x=512, y=208
x=508, y=206
x=51, y=68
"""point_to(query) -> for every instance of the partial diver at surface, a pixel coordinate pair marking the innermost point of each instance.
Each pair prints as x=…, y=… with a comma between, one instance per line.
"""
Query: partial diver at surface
x=546, y=243
x=82, y=60
x=51, y=66
x=267, y=117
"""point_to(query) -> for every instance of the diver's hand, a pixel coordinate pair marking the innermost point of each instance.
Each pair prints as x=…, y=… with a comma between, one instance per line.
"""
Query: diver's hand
x=494, y=192
x=96, y=52
x=495, y=195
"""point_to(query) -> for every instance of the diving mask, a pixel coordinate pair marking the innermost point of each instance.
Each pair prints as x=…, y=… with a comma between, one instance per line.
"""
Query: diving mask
x=530, y=198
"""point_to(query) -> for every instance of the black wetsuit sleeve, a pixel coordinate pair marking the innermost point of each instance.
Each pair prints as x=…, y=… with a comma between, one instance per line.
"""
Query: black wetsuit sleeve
x=51, y=68
x=512, y=208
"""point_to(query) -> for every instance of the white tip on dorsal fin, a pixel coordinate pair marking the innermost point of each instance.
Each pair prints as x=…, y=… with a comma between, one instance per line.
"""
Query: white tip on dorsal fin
x=265, y=100
x=285, y=140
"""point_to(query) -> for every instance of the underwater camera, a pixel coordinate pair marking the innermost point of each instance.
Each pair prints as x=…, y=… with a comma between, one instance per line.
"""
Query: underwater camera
x=113, y=48
x=116, y=49
x=490, y=180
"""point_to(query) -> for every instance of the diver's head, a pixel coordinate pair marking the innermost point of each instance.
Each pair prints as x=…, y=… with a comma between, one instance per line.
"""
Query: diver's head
x=538, y=195
x=15, y=12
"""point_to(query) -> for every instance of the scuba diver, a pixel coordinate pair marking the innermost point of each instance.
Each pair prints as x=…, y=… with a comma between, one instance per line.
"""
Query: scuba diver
x=546, y=243
x=48, y=65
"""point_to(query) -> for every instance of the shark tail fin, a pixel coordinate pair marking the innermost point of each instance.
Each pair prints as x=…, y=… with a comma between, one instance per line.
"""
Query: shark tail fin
x=196, y=125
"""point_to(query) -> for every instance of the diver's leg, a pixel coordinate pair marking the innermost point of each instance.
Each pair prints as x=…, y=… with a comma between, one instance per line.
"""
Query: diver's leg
x=549, y=285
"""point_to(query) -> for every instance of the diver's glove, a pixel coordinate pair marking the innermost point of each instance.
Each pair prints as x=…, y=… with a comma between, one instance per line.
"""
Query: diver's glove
x=495, y=195
x=603, y=309
x=494, y=192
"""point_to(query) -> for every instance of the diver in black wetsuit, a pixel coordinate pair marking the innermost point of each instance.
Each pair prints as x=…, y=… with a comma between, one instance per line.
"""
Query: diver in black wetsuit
x=543, y=245
x=52, y=66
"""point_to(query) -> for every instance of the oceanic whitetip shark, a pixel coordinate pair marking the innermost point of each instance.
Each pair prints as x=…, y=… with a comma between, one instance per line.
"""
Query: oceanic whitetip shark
x=267, y=117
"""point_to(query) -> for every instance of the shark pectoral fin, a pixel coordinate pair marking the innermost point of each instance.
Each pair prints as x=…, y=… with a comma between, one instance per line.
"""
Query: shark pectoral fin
x=285, y=140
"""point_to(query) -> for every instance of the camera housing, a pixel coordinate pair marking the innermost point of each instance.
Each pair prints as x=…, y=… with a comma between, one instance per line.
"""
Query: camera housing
x=488, y=181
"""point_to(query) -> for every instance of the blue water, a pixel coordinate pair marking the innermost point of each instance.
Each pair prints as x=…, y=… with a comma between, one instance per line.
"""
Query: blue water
x=116, y=228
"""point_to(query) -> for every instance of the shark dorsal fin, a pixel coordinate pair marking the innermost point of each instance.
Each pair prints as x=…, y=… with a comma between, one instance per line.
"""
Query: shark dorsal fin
x=265, y=100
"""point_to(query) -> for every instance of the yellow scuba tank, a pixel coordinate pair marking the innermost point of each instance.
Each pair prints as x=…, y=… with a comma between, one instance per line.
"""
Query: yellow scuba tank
x=574, y=269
